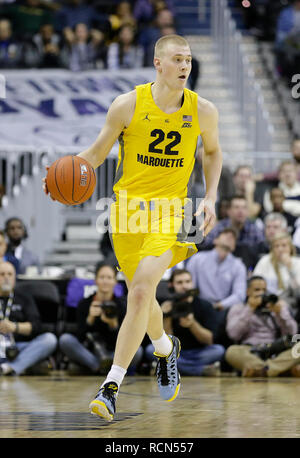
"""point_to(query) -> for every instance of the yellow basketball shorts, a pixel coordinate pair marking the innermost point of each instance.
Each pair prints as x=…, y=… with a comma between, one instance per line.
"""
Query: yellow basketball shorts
x=148, y=230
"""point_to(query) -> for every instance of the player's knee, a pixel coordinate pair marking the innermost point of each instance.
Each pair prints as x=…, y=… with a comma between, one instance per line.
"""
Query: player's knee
x=139, y=294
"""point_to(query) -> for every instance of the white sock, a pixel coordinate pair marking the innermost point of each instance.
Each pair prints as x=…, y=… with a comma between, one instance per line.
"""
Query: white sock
x=163, y=346
x=116, y=374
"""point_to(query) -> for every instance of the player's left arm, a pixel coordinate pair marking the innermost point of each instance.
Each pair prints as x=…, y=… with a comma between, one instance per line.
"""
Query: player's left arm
x=211, y=161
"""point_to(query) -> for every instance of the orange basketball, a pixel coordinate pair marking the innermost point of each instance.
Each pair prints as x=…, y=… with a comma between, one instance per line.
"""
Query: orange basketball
x=71, y=180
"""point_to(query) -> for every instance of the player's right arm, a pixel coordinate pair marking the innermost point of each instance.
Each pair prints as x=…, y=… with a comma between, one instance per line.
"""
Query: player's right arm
x=118, y=117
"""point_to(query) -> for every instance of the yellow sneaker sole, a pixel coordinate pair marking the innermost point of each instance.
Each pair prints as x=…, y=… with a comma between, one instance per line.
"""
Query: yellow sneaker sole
x=100, y=409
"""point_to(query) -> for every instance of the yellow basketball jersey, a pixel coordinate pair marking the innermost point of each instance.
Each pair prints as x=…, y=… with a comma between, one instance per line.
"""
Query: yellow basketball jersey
x=157, y=150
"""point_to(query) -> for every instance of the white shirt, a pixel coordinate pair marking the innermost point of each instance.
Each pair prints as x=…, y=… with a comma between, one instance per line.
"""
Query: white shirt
x=265, y=268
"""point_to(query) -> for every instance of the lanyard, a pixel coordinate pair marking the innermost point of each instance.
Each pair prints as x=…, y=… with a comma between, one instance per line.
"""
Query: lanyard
x=8, y=307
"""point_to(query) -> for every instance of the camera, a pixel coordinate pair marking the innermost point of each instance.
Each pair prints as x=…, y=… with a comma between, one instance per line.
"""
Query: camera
x=267, y=299
x=8, y=348
x=180, y=306
x=11, y=352
x=110, y=309
x=265, y=351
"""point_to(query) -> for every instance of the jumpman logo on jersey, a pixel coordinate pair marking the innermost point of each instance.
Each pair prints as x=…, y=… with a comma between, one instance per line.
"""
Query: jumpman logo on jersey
x=146, y=117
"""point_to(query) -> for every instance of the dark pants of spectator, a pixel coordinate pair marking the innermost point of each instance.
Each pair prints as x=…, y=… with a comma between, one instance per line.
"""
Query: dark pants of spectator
x=78, y=353
x=193, y=361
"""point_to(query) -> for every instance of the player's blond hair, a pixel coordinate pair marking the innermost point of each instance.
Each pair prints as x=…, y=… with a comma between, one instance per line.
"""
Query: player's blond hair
x=161, y=44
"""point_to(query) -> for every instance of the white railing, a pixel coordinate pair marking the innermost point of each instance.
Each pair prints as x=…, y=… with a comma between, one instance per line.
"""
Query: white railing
x=241, y=77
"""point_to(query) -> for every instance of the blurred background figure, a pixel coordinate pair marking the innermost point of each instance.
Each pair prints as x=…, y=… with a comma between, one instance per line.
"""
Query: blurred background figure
x=99, y=318
x=287, y=40
x=82, y=48
x=16, y=233
x=10, y=49
x=43, y=51
x=125, y=53
x=290, y=186
x=281, y=270
x=22, y=344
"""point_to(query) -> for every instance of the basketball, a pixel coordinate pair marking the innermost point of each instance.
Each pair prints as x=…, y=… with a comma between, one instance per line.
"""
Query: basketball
x=71, y=180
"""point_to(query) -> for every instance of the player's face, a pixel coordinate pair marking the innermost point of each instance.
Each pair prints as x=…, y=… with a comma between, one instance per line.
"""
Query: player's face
x=175, y=65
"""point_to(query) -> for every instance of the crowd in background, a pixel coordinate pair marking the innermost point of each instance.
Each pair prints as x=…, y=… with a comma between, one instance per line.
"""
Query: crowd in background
x=93, y=34
x=81, y=34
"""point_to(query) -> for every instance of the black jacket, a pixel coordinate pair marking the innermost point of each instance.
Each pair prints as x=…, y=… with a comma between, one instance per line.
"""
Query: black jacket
x=205, y=314
x=99, y=329
x=24, y=310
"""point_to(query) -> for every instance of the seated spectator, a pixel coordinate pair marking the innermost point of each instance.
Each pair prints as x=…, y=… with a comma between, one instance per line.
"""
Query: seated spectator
x=28, y=16
x=287, y=40
x=99, y=318
x=277, y=199
x=125, y=53
x=123, y=16
x=20, y=326
x=146, y=10
x=255, y=323
x=195, y=329
x=4, y=256
x=43, y=51
x=17, y=233
x=81, y=48
x=281, y=269
x=149, y=35
x=220, y=277
x=222, y=208
x=248, y=234
x=10, y=49
x=245, y=185
x=291, y=188
x=274, y=223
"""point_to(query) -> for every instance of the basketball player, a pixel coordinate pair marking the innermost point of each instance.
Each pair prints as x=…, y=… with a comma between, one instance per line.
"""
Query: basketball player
x=157, y=125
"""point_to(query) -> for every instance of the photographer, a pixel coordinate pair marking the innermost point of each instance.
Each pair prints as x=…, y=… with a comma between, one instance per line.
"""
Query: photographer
x=20, y=345
x=99, y=317
x=192, y=320
x=263, y=328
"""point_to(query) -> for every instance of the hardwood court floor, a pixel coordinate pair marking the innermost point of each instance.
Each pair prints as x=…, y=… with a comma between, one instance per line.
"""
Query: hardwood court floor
x=57, y=406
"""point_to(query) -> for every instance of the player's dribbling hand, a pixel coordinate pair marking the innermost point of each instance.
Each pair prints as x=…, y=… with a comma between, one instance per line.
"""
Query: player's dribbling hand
x=46, y=191
x=207, y=206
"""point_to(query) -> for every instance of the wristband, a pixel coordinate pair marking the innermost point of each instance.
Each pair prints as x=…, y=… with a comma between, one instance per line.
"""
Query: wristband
x=17, y=328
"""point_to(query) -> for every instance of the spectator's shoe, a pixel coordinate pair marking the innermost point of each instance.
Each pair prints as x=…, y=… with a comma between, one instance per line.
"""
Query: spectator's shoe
x=255, y=372
x=168, y=377
x=212, y=370
x=295, y=371
x=104, y=404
